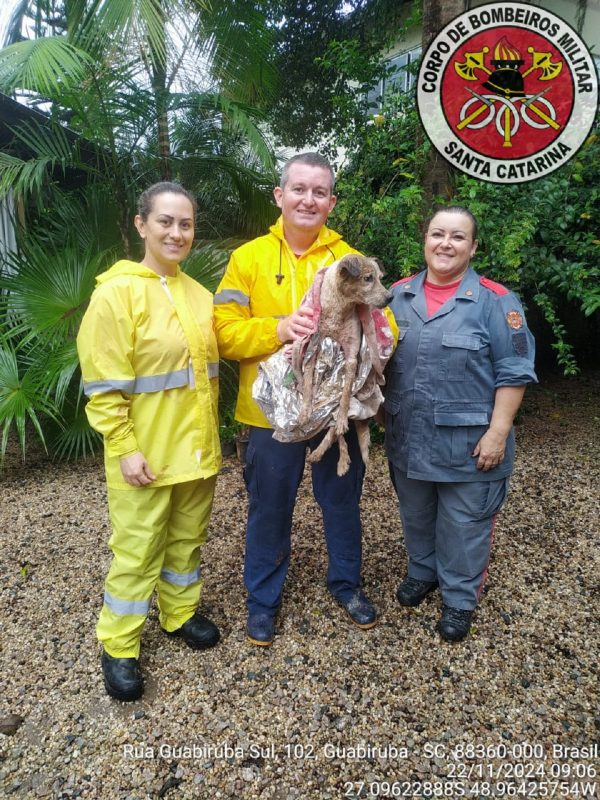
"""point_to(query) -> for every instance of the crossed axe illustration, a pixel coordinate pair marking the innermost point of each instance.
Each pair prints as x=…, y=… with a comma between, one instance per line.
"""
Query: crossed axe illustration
x=476, y=60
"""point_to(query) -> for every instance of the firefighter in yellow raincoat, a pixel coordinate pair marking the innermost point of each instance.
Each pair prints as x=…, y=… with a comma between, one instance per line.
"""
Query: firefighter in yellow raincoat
x=258, y=309
x=150, y=368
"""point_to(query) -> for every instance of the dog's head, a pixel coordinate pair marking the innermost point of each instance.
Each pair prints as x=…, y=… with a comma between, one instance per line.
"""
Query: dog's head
x=360, y=280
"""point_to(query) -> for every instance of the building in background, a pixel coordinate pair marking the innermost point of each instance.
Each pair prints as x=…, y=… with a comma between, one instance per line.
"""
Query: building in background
x=583, y=16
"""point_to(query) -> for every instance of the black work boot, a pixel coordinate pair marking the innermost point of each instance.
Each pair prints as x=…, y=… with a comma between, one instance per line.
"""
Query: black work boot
x=198, y=632
x=413, y=591
x=122, y=677
x=455, y=623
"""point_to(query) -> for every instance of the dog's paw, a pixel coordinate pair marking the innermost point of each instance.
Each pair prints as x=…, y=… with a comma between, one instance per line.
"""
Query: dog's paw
x=343, y=465
x=341, y=426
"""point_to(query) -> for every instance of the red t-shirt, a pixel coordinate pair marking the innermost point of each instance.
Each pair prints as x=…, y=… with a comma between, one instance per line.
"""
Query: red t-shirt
x=436, y=296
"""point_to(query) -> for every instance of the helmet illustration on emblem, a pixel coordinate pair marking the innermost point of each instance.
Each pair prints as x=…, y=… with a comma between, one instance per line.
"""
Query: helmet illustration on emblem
x=506, y=79
x=507, y=93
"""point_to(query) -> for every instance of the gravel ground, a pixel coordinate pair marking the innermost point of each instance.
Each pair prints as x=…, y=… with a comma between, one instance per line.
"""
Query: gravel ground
x=476, y=718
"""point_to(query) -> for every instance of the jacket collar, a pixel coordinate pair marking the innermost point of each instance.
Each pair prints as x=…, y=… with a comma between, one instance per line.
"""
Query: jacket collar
x=468, y=290
x=125, y=267
x=326, y=237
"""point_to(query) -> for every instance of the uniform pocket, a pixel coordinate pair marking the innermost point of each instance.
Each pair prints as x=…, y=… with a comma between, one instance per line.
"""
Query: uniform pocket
x=392, y=402
x=458, y=426
x=456, y=348
x=493, y=498
x=395, y=411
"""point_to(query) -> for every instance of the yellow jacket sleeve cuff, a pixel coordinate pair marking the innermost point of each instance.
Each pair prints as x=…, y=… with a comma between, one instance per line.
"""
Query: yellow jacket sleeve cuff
x=121, y=447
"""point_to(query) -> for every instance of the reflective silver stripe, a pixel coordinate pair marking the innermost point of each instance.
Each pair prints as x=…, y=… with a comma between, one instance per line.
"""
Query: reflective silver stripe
x=179, y=578
x=156, y=383
x=123, y=607
x=150, y=383
x=144, y=383
x=231, y=296
x=101, y=387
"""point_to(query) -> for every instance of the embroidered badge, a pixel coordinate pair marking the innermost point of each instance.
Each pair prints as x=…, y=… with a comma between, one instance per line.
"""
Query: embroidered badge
x=519, y=343
x=515, y=320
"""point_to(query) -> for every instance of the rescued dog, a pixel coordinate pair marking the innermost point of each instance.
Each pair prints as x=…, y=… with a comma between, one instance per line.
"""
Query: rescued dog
x=350, y=288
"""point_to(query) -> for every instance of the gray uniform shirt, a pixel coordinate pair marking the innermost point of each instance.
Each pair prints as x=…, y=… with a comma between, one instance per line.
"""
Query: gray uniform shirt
x=442, y=378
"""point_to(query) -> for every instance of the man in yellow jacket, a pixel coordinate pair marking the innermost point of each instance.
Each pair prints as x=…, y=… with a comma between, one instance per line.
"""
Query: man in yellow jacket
x=257, y=310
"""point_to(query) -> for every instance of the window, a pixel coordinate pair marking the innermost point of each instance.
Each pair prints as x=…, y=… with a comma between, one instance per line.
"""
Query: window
x=401, y=80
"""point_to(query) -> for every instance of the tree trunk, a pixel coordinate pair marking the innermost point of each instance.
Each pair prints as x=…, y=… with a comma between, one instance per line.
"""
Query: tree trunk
x=437, y=178
x=158, y=63
x=581, y=12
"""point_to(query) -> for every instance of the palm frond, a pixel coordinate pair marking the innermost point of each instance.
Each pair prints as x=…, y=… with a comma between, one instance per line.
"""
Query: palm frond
x=44, y=66
x=15, y=23
x=23, y=176
x=57, y=366
x=49, y=140
x=229, y=117
x=89, y=215
x=22, y=398
x=51, y=149
x=207, y=263
x=49, y=290
x=233, y=199
x=74, y=438
x=245, y=73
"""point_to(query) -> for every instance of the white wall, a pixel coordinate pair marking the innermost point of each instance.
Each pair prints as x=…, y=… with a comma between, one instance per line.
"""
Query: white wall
x=566, y=9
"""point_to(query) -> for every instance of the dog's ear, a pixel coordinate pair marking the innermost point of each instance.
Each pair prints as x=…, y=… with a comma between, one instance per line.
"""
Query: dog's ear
x=379, y=263
x=351, y=265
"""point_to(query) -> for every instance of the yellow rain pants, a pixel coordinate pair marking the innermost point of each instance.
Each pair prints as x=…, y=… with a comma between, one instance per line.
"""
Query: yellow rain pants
x=156, y=541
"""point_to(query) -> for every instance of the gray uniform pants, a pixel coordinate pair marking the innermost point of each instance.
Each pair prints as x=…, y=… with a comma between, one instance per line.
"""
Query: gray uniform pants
x=448, y=531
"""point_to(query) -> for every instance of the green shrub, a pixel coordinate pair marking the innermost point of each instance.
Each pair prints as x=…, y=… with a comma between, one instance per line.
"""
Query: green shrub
x=542, y=239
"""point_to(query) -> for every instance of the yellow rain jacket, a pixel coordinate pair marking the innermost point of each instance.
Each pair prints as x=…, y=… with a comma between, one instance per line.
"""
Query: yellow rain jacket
x=150, y=366
x=264, y=281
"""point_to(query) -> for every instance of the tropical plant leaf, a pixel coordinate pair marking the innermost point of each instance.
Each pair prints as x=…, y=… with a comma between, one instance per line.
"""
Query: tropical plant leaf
x=23, y=176
x=74, y=438
x=246, y=74
x=43, y=65
x=90, y=217
x=206, y=263
x=22, y=398
x=49, y=289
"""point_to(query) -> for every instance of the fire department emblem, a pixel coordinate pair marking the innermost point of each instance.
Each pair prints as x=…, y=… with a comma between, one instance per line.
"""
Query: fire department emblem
x=514, y=320
x=507, y=92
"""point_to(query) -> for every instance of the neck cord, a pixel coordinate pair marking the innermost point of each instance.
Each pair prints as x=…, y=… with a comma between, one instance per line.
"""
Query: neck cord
x=280, y=276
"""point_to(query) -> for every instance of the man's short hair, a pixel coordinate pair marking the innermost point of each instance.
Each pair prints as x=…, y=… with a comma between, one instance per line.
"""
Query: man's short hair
x=311, y=160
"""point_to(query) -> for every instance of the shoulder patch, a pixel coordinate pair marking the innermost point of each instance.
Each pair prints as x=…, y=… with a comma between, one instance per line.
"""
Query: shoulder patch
x=514, y=320
x=404, y=280
x=494, y=287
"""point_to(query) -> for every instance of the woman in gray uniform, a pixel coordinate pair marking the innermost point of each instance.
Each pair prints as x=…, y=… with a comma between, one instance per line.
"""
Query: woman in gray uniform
x=454, y=385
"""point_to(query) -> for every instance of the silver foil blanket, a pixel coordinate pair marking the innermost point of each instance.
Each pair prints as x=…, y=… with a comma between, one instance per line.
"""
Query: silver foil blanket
x=276, y=391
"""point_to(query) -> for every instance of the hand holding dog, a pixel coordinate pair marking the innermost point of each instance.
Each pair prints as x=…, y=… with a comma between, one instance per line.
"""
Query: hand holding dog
x=297, y=325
